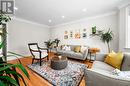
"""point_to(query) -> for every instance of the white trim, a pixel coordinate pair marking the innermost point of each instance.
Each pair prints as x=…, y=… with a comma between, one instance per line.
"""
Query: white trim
x=31, y=22
x=126, y=20
x=124, y=5
x=88, y=18
x=71, y=22
x=14, y=58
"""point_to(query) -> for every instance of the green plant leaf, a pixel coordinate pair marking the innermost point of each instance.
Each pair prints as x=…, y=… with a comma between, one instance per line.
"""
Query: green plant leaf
x=23, y=69
x=13, y=73
x=9, y=79
x=15, y=65
x=1, y=83
x=17, y=76
x=6, y=66
x=1, y=44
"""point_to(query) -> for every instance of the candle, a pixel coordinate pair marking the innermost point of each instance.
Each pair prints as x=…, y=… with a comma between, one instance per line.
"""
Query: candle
x=59, y=57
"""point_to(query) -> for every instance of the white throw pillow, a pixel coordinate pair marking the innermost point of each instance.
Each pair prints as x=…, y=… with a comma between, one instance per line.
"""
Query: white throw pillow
x=68, y=48
x=83, y=48
x=64, y=47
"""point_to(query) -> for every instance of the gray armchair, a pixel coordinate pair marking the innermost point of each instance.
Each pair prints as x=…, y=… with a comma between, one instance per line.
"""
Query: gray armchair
x=100, y=73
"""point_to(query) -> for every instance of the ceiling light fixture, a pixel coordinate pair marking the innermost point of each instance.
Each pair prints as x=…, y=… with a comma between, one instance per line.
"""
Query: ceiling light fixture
x=49, y=20
x=63, y=17
x=84, y=10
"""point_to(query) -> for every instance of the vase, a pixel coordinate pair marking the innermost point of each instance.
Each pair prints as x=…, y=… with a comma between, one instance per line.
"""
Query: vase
x=93, y=30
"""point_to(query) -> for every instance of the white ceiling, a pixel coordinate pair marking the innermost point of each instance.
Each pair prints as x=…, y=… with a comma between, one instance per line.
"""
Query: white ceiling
x=41, y=11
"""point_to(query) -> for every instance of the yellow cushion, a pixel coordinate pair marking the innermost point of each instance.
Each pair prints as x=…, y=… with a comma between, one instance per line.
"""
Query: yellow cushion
x=77, y=49
x=114, y=59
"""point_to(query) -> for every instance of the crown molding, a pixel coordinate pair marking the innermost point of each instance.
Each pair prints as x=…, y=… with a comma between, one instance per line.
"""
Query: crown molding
x=124, y=5
x=72, y=22
x=30, y=22
x=84, y=19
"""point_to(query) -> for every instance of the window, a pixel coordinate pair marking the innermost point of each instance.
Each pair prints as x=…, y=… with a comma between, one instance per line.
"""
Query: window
x=128, y=28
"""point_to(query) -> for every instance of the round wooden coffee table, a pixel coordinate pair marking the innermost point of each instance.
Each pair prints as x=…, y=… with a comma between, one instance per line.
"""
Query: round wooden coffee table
x=58, y=62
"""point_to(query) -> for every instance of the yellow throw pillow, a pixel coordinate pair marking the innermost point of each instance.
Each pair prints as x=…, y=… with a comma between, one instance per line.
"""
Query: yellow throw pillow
x=77, y=49
x=114, y=59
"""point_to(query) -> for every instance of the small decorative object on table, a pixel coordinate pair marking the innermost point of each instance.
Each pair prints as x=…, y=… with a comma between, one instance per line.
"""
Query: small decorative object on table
x=93, y=51
x=58, y=62
x=94, y=30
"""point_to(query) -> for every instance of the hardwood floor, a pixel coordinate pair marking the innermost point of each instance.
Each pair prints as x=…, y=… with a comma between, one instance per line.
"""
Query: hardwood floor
x=36, y=80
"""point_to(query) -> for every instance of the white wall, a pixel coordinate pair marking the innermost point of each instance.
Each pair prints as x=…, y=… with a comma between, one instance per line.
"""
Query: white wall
x=122, y=29
x=103, y=22
x=22, y=32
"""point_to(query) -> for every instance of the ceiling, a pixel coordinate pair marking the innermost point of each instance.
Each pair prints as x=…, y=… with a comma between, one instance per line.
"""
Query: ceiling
x=55, y=12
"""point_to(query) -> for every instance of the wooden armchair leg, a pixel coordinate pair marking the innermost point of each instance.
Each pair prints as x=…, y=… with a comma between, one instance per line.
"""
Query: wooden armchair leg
x=40, y=62
x=47, y=57
x=32, y=60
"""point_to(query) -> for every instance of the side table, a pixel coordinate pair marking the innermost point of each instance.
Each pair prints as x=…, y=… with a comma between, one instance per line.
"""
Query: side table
x=93, y=51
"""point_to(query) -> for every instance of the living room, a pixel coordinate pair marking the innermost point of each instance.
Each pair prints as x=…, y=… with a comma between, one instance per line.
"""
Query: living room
x=87, y=32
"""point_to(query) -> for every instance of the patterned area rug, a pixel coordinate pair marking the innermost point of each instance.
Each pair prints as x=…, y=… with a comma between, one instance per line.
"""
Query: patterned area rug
x=70, y=76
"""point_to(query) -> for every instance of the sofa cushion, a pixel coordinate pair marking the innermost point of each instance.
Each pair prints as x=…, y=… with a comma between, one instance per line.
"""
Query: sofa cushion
x=114, y=59
x=102, y=78
x=79, y=55
x=73, y=54
x=69, y=52
x=124, y=77
x=102, y=66
x=61, y=51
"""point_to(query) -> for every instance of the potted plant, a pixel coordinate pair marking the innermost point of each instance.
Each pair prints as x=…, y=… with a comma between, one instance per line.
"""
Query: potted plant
x=107, y=37
x=49, y=43
x=8, y=74
x=57, y=41
x=4, y=18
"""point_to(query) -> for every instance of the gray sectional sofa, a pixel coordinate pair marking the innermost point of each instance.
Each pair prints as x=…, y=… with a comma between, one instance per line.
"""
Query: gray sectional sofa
x=101, y=73
x=72, y=54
